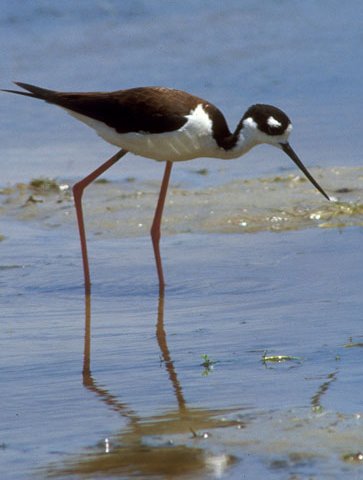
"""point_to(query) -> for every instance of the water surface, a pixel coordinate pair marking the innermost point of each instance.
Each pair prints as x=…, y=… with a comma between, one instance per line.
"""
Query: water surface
x=146, y=405
x=259, y=266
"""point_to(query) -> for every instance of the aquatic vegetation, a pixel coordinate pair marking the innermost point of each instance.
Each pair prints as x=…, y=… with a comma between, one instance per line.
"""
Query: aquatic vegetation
x=44, y=185
x=102, y=180
x=352, y=344
x=207, y=361
x=124, y=208
x=202, y=171
x=278, y=358
x=208, y=365
x=353, y=457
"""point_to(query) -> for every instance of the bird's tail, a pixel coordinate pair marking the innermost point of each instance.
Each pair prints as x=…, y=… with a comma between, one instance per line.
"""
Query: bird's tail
x=32, y=91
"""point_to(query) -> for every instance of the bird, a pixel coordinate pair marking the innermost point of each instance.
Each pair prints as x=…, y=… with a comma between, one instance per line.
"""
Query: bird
x=166, y=125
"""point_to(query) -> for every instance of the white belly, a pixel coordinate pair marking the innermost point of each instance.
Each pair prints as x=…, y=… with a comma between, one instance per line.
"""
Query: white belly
x=194, y=139
x=172, y=146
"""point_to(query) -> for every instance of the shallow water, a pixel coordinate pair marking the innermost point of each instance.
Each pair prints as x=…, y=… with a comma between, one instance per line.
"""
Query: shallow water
x=259, y=266
x=231, y=297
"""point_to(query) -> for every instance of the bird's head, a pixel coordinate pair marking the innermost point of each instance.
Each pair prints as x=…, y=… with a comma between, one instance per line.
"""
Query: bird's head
x=266, y=124
x=270, y=125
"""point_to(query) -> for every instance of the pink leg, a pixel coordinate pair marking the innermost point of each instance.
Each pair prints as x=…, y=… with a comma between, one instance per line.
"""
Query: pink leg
x=155, y=228
x=78, y=189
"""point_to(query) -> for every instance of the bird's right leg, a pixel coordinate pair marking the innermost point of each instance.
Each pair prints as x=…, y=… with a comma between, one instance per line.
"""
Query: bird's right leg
x=78, y=189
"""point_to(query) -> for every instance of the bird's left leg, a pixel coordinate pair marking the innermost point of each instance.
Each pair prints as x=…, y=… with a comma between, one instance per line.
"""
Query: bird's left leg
x=155, y=228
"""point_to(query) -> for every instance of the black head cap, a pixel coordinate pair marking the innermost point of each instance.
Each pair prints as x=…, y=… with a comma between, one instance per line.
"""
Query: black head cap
x=269, y=119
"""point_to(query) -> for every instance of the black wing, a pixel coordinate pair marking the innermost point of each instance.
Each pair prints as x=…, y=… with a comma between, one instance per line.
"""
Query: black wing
x=144, y=109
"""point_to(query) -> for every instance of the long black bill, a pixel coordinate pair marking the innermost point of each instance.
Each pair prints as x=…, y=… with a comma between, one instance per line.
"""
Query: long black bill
x=290, y=152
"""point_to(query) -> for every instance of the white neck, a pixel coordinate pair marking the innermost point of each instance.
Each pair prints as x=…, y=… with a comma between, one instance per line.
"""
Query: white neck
x=244, y=144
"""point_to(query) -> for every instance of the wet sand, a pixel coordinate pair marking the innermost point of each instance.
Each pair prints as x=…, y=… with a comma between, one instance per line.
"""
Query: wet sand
x=185, y=386
x=125, y=208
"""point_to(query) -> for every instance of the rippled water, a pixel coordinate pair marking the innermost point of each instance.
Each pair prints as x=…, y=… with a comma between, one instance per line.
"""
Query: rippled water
x=183, y=386
x=145, y=404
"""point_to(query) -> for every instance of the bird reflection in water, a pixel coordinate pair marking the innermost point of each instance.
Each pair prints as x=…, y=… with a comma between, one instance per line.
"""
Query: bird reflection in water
x=173, y=443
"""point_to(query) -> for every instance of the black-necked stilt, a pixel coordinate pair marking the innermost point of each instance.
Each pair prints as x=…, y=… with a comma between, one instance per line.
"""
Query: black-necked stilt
x=166, y=125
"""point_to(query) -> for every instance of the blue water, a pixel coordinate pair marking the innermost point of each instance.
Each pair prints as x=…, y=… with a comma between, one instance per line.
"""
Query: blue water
x=232, y=297
x=301, y=56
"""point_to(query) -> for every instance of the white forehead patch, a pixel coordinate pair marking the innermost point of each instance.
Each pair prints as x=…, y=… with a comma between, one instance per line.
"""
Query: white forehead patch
x=249, y=122
x=273, y=123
